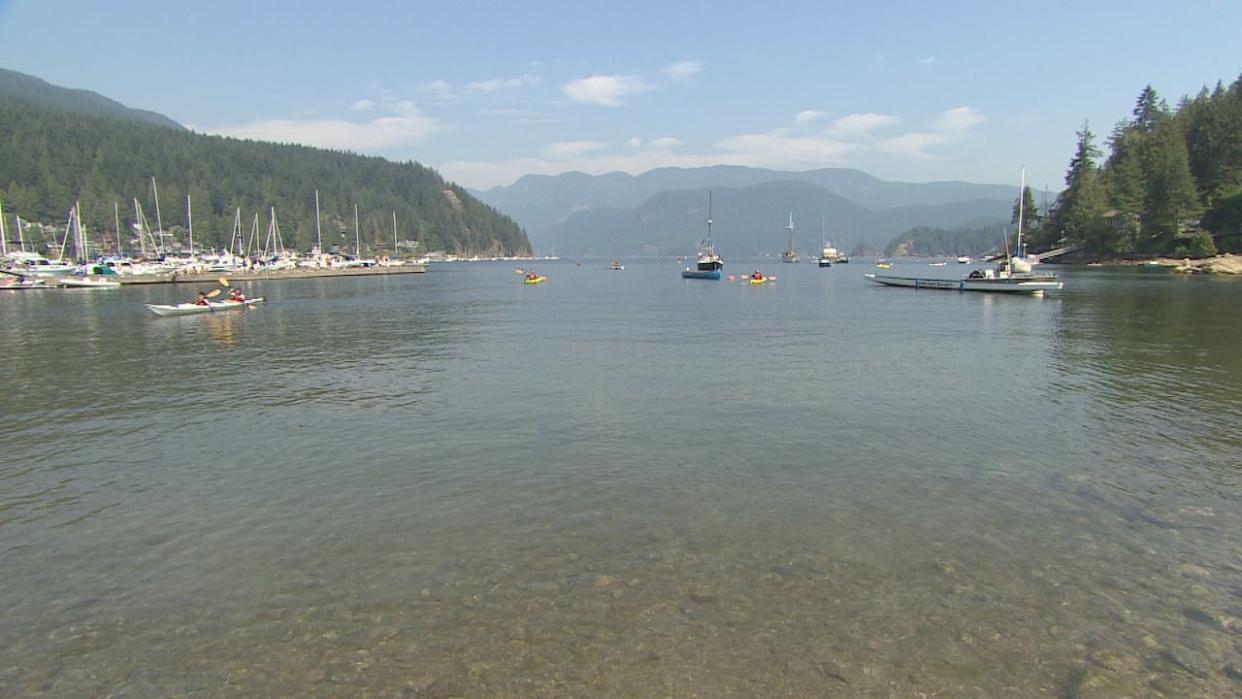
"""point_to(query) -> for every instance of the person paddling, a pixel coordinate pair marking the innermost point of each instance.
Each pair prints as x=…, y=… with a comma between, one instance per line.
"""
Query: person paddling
x=235, y=295
x=202, y=299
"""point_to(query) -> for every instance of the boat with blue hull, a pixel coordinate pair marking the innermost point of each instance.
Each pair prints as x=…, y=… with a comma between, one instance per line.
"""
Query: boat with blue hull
x=709, y=263
x=688, y=273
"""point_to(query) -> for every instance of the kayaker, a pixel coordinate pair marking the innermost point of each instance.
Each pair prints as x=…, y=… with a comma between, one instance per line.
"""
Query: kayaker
x=756, y=275
x=235, y=295
x=532, y=275
x=202, y=299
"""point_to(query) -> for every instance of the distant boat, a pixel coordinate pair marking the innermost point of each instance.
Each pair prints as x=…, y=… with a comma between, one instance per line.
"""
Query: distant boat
x=1013, y=274
x=963, y=259
x=883, y=263
x=829, y=254
x=616, y=264
x=941, y=263
x=790, y=254
x=709, y=263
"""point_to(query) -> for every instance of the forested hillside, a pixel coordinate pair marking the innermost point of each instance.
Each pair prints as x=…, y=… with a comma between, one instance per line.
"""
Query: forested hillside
x=50, y=158
x=1171, y=184
x=924, y=241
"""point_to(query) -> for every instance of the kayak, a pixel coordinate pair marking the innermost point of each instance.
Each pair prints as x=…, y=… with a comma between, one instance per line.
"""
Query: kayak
x=536, y=280
x=87, y=283
x=755, y=282
x=186, y=309
x=180, y=309
x=233, y=305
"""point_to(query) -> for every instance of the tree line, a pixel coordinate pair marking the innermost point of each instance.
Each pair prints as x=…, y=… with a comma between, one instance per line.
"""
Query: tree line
x=1171, y=183
x=50, y=159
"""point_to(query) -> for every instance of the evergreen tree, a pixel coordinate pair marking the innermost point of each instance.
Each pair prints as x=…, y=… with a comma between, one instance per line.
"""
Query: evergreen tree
x=1030, y=214
x=1148, y=110
x=1082, y=205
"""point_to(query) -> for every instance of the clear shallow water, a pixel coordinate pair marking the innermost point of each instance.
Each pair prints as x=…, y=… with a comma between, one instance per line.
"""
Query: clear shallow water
x=624, y=484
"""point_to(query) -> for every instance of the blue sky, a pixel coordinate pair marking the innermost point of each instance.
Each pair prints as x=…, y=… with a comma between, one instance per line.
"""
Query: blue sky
x=488, y=91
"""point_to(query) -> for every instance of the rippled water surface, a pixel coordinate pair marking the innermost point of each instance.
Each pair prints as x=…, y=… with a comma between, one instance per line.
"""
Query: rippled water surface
x=624, y=484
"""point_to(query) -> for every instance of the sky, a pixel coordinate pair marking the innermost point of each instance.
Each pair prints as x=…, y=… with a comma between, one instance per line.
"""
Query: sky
x=486, y=92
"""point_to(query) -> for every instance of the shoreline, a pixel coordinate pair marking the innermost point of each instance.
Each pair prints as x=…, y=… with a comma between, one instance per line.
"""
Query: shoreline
x=1224, y=263
x=266, y=275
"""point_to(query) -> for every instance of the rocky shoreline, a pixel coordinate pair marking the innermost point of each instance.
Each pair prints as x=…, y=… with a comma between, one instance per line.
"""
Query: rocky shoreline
x=1225, y=263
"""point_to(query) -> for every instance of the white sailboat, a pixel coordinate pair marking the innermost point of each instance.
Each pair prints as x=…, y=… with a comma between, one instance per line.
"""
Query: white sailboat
x=790, y=254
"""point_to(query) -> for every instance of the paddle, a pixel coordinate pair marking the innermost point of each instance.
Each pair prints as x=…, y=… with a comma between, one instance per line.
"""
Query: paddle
x=223, y=282
x=213, y=293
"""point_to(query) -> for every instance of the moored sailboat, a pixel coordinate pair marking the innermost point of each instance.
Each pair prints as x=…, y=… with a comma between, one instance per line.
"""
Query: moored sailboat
x=709, y=263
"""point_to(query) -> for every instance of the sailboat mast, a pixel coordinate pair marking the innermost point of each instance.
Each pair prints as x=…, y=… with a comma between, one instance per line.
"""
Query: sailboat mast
x=21, y=240
x=4, y=245
x=80, y=249
x=189, y=221
x=357, y=248
x=1021, y=200
x=116, y=216
x=394, y=235
x=318, y=234
x=709, y=217
x=159, y=223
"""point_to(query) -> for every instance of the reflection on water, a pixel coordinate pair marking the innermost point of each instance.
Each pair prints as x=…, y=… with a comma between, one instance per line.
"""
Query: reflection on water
x=624, y=484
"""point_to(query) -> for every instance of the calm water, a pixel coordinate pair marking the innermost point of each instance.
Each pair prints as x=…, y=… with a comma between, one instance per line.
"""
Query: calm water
x=624, y=484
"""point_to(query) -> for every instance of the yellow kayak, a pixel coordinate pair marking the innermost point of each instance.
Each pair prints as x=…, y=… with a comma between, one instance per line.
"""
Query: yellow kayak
x=755, y=282
x=536, y=280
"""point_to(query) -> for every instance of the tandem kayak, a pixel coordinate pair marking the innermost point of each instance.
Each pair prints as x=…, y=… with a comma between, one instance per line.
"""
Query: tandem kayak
x=186, y=309
x=536, y=280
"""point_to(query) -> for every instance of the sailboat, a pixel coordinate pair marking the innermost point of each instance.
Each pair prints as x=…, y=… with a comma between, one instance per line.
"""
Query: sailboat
x=709, y=263
x=1013, y=275
x=790, y=255
x=829, y=254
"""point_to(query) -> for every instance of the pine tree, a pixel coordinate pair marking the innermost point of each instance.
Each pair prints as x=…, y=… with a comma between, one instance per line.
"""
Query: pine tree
x=1148, y=110
x=1081, y=207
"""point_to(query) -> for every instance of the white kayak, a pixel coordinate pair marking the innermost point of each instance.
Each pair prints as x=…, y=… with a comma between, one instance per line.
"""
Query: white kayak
x=185, y=309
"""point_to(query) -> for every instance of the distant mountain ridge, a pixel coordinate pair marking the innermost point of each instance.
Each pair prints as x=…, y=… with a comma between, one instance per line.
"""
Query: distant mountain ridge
x=750, y=221
x=32, y=90
x=553, y=208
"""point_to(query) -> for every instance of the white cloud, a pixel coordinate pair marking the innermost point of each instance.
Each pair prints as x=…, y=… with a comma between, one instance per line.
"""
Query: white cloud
x=843, y=142
x=683, y=70
x=438, y=87
x=860, y=125
x=959, y=119
x=565, y=150
x=927, y=60
x=405, y=125
x=362, y=106
x=664, y=143
x=912, y=145
x=806, y=116
x=604, y=90
x=493, y=84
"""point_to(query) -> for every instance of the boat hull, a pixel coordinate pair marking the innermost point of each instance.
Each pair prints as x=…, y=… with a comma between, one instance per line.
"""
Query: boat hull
x=189, y=309
x=233, y=305
x=825, y=263
x=756, y=282
x=536, y=280
x=700, y=274
x=180, y=309
x=1004, y=285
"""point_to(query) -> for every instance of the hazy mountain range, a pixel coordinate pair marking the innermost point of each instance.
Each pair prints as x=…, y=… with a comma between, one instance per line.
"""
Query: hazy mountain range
x=664, y=211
